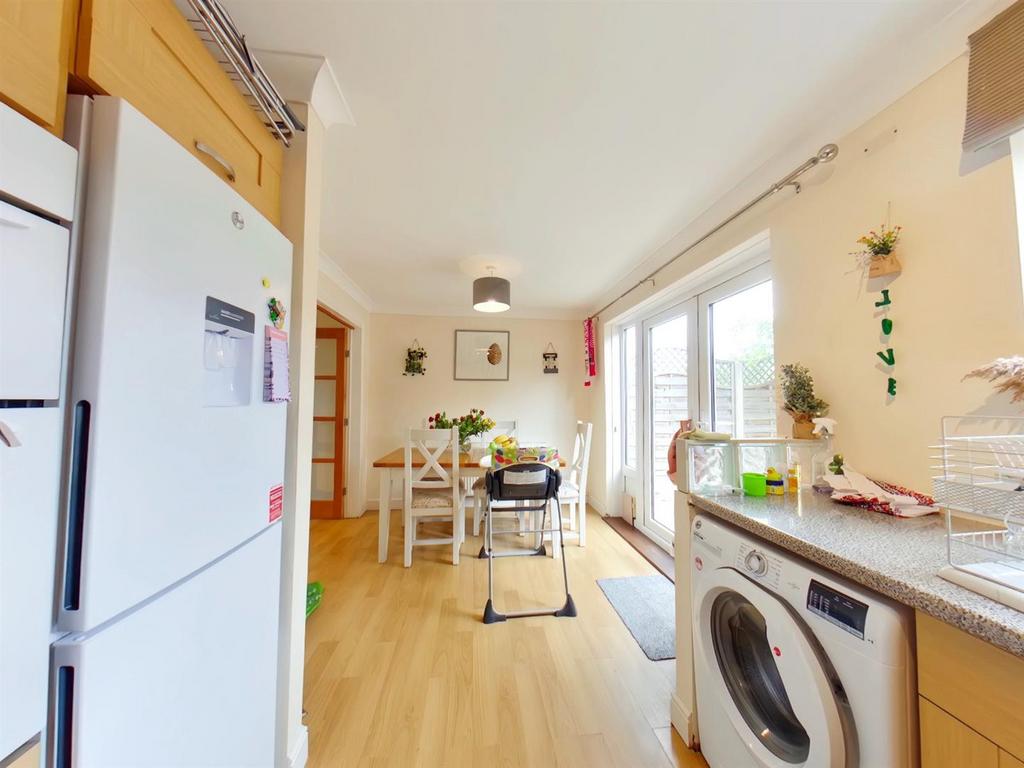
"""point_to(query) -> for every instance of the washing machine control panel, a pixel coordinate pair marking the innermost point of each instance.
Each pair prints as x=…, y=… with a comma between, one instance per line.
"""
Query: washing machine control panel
x=758, y=563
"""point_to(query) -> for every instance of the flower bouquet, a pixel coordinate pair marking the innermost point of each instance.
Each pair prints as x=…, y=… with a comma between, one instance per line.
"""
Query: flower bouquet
x=473, y=423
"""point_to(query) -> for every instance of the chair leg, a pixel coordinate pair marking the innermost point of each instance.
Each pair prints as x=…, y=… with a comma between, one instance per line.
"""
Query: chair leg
x=581, y=508
x=572, y=516
x=556, y=526
x=458, y=524
x=410, y=536
x=478, y=512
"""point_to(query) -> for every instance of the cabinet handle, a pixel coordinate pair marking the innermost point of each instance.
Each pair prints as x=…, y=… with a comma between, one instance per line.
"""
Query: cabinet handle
x=206, y=149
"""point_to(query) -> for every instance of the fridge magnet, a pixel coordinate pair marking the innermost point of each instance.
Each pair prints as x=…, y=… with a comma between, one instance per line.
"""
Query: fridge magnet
x=276, y=312
x=550, y=359
x=481, y=355
x=276, y=388
x=414, y=357
x=878, y=253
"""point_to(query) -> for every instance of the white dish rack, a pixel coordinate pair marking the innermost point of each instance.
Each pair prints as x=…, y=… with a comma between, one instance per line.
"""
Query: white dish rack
x=981, y=485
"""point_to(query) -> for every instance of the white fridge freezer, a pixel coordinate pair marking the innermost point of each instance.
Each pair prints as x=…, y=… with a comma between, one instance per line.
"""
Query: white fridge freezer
x=37, y=181
x=172, y=555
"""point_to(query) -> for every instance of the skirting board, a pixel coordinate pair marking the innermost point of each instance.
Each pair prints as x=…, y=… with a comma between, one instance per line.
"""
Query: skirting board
x=685, y=722
x=300, y=751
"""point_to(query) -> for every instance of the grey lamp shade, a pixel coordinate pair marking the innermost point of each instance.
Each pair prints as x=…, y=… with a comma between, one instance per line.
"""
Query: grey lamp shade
x=491, y=294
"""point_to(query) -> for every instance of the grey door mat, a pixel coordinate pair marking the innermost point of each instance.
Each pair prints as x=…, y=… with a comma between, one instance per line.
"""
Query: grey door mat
x=647, y=606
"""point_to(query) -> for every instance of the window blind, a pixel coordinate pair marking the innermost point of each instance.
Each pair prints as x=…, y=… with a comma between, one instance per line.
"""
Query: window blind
x=995, y=80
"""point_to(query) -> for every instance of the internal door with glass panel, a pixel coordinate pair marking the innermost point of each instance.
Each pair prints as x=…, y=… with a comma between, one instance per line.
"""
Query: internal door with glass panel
x=670, y=394
x=328, y=477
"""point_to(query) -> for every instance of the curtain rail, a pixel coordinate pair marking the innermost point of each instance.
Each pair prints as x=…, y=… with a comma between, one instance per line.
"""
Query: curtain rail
x=825, y=155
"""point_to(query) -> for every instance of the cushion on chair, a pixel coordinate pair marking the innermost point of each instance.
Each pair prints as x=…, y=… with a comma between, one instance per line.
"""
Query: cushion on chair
x=432, y=499
x=480, y=484
x=568, y=491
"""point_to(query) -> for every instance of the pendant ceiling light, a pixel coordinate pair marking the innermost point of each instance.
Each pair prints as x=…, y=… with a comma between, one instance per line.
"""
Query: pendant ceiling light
x=491, y=294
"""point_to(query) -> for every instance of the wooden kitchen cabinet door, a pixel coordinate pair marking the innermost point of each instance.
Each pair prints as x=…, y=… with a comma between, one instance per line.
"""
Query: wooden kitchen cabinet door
x=948, y=743
x=146, y=53
x=35, y=44
x=1006, y=760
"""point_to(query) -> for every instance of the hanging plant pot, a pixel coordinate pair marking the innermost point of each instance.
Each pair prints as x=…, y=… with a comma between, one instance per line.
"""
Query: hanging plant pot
x=884, y=264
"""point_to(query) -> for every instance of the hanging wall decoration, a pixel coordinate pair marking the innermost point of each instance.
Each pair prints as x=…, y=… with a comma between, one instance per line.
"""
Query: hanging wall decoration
x=590, y=350
x=878, y=253
x=878, y=257
x=414, y=357
x=550, y=359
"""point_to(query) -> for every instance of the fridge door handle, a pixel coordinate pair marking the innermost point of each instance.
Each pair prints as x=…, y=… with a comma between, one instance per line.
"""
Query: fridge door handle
x=76, y=505
x=64, y=708
x=8, y=436
x=206, y=149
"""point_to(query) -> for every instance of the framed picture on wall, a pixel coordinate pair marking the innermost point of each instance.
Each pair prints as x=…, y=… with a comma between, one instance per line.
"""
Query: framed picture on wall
x=481, y=355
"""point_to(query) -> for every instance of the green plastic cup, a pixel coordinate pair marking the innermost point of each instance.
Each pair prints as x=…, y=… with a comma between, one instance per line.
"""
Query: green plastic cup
x=755, y=484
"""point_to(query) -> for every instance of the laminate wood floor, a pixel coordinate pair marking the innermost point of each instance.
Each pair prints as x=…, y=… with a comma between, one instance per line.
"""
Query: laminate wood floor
x=400, y=671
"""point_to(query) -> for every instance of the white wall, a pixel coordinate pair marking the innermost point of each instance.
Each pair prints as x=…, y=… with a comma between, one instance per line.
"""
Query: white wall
x=335, y=291
x=546, y=406
x=956, y=305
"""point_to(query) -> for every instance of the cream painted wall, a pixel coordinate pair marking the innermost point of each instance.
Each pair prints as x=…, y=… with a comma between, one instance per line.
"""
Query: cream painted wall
x=333, y=294
x=546, y=406
x=956, y=305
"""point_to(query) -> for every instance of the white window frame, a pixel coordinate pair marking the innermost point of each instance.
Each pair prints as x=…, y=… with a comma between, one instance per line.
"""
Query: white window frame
x=742, y=282
x=746, y=267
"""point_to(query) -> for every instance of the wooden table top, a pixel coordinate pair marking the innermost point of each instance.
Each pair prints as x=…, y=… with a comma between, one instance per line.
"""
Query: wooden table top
x=475, y=459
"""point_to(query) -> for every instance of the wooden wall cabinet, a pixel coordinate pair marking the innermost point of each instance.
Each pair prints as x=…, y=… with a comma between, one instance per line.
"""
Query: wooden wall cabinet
x=145, y=52
x=971, y=696
x=35, y=44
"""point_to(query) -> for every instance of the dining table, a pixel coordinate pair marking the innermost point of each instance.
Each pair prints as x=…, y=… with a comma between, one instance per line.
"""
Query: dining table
x=472, y=464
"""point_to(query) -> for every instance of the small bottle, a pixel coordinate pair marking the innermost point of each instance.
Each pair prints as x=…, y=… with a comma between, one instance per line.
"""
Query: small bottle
x=794, y=479
x=774, y=484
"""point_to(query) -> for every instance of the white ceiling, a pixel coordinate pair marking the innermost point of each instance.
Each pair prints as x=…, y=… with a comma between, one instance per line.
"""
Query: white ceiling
x=562, y=143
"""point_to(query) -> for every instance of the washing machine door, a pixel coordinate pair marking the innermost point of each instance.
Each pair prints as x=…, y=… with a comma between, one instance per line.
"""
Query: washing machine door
x=768, y=675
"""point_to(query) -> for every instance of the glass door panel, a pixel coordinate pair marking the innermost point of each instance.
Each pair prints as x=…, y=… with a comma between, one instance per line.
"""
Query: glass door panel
x=324, y=394
x=323, y=439
x=742, y=364
x=669, y=398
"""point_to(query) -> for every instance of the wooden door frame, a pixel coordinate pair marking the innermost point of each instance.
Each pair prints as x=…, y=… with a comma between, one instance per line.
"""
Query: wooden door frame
x=334, y=508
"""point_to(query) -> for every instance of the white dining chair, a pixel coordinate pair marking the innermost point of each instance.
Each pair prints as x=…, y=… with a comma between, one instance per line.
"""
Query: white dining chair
x=432, y=493
x=573, y=493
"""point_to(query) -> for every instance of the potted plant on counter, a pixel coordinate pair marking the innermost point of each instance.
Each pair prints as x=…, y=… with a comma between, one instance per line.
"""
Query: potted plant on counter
x=799, y=400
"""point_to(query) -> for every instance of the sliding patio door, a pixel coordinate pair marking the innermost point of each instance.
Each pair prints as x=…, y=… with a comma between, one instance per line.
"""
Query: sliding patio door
x=670, y=395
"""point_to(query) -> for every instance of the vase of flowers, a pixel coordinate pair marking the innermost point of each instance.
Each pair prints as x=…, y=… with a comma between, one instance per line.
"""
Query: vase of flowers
x=878, y=252
x=799, y=400
x=473, y=423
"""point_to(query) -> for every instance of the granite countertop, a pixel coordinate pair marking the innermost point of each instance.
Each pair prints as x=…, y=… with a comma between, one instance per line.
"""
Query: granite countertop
x=896, y=557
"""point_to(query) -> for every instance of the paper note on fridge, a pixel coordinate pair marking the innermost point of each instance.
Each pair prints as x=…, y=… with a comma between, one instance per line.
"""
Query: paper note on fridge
x=275, y=367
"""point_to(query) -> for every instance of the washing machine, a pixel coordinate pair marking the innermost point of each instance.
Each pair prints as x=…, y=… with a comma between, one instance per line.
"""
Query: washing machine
x=795, y=666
